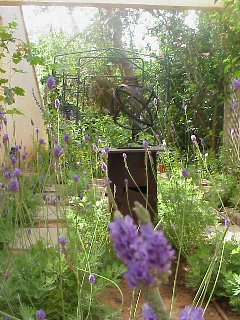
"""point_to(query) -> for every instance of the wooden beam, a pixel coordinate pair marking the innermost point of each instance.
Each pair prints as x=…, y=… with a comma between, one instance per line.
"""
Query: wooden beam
x=145, y=4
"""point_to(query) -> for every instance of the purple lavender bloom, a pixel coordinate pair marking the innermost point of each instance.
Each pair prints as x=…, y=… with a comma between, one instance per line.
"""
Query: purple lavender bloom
x=236, y=84
x=145, y=144
x=191, y=313
x=148, y=313
x=2, y=115
x=17, y=172
x=53, y=203
x=57, y=103
x=107, y=149
x=94, y=147
x=5, y=121
x=51, y=82
x=13, y=160
x=124, y=233
x=24, y=156
x=44, y=196
x=75, y=178
x=5, y=138
x=193, y=138
x=104, y=166
x=232, y=131
x=41, y=141
x=86, y=137
x=91, y=278
x=59, y=196
x=57, y=151
x=66, y=138
x=40, y=315
x=37, y=130
x=78, y=164
x=80, y=196
x=124, y=155
x=103, y=152
x=154, y=249
x=7, y=174
x=3, y=186
x=226, y=222
x=13, y=185
x=126, y=182
x=185, y=174
x=62, y=240
x=99, y=141
x=138, y=274
x=234, y=105
x=88, y=186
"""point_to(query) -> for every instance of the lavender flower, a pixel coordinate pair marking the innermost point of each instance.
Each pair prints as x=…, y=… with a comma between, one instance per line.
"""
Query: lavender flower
x=5, y=121
x=88, y=186
x=91, y=278
x=41, y=141
x=124, y=155
x=13, y=185
x=147, y=254
x=145, y=144
x=94, y=147
x=104, y=166
x=78, y=164
x=236, y=84
x=7, y=174
x=193, y=138
x=191, y=313
x=24, y=156
x=13, y=160
x=57, y=151
x=5, y=138
x=99, y=141
x=80, y=196
x=57, y=103
x=62, y=240
x=66, y=138
x=86, y=138
x=234, y=105
x=226, y=222
x=17, y=172
x=148, y=313
x=40, y=315
x=185, y=174
x=123, y=233
x=75, y=178
x=51, y=82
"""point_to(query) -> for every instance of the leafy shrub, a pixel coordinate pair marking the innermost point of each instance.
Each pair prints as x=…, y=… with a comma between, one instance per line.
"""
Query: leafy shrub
x=228, y=284
x=185, y=214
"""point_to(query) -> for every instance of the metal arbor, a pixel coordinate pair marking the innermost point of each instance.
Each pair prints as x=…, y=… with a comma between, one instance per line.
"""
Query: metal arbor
x=117, y=81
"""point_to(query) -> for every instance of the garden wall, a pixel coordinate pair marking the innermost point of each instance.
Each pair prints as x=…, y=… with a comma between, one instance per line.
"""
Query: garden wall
x=19, y=127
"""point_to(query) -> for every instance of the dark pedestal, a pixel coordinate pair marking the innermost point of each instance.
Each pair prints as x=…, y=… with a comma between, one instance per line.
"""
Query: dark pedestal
x=139, y=188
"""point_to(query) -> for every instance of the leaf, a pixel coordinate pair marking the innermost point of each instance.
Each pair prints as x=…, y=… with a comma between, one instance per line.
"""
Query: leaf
x=18, y=70
x=236, y=73
x=2, y=70
x=16, y=57
x=19, y=91
x=3, y=80
x=14, y=111
x=9, y=96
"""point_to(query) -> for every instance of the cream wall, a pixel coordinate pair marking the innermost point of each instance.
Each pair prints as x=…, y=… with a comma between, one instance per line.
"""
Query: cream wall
x=22, y=124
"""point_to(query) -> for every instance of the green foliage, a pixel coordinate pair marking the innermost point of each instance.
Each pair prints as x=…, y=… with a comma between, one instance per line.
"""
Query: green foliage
x=225, y=187
x=181, y=203
x=228, y=284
